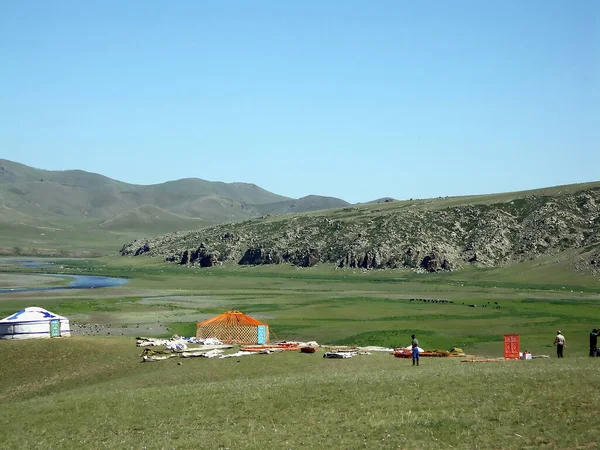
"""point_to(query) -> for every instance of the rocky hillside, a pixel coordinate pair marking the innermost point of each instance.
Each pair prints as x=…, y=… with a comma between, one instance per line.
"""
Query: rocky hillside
x=432, y=235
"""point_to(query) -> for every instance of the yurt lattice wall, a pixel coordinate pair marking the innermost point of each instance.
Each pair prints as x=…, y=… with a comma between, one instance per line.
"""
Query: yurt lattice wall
x=234, y=327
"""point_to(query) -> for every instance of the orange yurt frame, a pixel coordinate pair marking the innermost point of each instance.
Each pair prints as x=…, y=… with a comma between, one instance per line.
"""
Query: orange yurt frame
x=234, y=327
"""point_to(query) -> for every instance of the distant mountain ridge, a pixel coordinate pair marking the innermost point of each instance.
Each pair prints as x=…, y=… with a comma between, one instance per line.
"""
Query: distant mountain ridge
x=76, y=194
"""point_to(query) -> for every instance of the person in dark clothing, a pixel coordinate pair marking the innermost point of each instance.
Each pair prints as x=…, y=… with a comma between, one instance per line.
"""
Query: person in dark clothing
x=415, y=350
x=593, y=342
x=560, y=343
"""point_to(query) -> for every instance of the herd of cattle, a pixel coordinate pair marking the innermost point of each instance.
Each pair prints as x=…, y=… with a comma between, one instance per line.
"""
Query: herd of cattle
x=437, y=300
x=431, y=300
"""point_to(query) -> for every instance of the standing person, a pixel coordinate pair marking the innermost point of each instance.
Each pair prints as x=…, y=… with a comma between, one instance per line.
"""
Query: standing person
x=560, y=343
x=415, y=350
x=593, y=342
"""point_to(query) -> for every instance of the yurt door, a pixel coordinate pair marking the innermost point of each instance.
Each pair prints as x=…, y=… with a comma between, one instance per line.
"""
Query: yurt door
x=55, y=328
x=262, y=334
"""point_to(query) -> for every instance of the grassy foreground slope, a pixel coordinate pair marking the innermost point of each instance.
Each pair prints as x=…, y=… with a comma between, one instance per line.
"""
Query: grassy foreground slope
x=94, y=393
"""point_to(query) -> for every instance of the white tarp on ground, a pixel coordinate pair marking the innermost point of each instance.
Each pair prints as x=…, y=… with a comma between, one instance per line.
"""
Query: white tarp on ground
x=340, y=355
x=34, y=322
x=177, y=345
x=147, y=341
x=207, y=341
x=374, y=348
x=236, y=354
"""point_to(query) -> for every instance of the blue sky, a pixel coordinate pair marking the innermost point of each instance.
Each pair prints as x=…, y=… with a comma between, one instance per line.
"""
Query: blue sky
x=357, y=100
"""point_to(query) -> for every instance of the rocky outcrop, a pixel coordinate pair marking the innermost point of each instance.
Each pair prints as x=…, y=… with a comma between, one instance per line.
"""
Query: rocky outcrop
x=428, y=235
x=200, y=256
x=143, y=249
x=305, y=258
x=371, y=259
x=258, y=256
x=589, y=260
x=434, y=262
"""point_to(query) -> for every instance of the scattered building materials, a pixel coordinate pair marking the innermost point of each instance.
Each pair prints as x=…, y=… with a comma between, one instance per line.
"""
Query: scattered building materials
x=209, y=354
x=207, y=341
x=342, y=348
x=211, y=347
x=314, y=344
x=284, y=346
x=525, y=355
x=177, y=345
x=308, y=349
x=373, y=348
x=234, y=327
x=236, y=354
x=182, y=343
x=160, y=355
x=457, y=351
x=268, y=351
x=512, y=346
x=200, y=353
x=150, y=355
x=406, y=353
x=476, y=360
x=409, y=348
x=340, y=354
x=145, y=341
x=34, y=323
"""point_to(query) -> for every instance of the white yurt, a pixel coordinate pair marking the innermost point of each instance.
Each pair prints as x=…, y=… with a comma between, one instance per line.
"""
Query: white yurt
x=32, y=323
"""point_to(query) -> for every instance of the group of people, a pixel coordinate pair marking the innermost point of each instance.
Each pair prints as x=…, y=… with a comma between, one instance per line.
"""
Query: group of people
x=560, y=343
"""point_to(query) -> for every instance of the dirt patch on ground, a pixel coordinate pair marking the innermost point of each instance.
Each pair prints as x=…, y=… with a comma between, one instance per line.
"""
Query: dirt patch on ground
x=30, y=281
x=95, y=329
x=183, y=300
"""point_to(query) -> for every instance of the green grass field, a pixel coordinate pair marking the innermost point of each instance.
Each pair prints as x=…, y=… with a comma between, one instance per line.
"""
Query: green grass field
x=93, y=391
x=335, y=306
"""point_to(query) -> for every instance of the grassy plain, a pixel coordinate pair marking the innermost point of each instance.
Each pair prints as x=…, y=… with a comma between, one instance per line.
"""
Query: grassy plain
x=89, y=238
x=93, y=392
x=338, y=306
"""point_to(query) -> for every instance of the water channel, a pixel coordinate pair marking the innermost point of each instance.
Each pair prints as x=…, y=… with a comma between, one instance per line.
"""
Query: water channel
x=78, y=281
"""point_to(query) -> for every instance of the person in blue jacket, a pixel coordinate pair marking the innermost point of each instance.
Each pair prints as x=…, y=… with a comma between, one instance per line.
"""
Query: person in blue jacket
x=415, y=350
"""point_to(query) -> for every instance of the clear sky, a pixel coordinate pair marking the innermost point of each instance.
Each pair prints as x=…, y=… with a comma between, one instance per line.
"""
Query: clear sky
x=351, y=99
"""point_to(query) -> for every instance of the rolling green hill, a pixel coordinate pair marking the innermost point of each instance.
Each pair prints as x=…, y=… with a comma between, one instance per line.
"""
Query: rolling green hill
x=75, y=193
x=147, y=217
x=77, y=212
x=79, y=194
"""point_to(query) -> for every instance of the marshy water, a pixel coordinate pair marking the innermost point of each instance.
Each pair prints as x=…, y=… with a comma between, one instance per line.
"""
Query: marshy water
x=77, y=281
